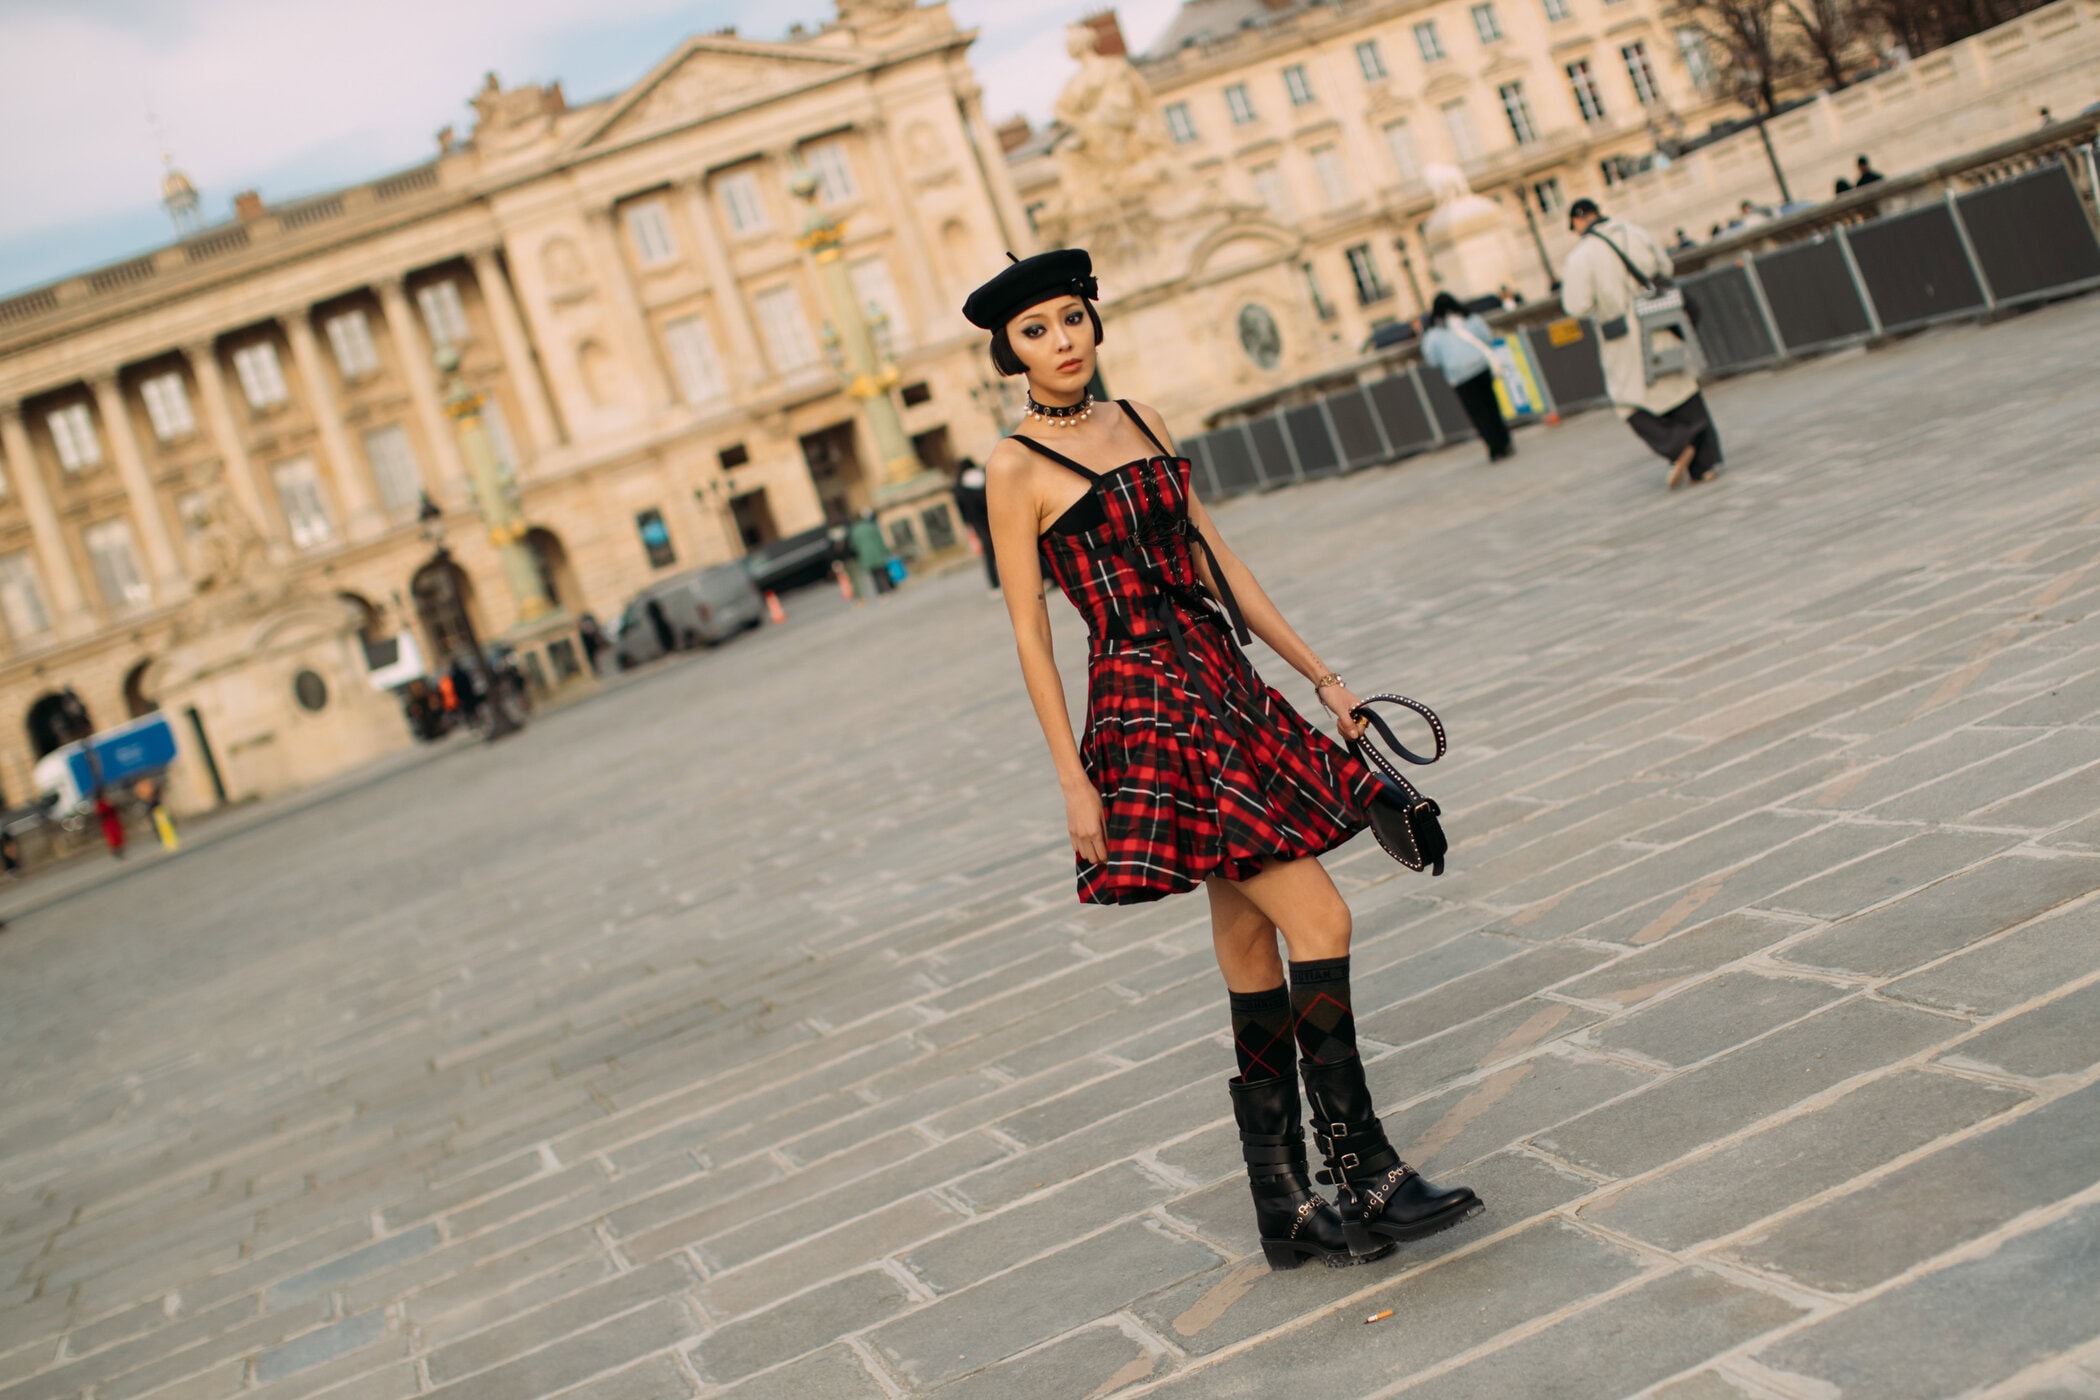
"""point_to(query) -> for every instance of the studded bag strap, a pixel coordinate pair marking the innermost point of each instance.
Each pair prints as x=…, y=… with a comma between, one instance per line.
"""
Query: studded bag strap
x=1376, y=723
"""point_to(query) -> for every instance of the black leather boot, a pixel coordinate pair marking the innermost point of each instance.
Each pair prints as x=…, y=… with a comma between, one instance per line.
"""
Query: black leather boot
x=1380, y=1198
x=1295, y=1223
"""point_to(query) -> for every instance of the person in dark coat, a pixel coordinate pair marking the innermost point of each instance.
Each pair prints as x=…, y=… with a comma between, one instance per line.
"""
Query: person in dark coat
x=969, y=504
x=593, y=638
x=1867, y=175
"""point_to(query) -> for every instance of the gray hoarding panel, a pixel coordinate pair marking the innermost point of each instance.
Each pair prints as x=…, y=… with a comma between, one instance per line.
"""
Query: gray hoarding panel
x=1732, y=329
x=1399, y=407
x=1317, y=454
x=2031, y=235
x=1197, y=450
x=1272, y=456
x=1574, y=374
x=1815, y=303
x=1915, y=268
x=1355, y=429
x=1450, y=413
x=1232, y=462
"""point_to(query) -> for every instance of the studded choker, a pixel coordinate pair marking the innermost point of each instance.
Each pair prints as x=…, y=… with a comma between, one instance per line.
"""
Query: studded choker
x=1062, y=415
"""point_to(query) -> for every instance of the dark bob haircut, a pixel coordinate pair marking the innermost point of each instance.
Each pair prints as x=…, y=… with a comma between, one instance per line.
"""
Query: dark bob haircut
x=1446, y=305
x=1009, y=364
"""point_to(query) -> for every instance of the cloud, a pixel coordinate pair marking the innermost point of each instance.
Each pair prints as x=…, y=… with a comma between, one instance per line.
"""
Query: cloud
x=291, y=96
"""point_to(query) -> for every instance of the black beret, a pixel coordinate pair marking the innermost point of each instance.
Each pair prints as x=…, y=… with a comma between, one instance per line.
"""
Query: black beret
x=1063, y=272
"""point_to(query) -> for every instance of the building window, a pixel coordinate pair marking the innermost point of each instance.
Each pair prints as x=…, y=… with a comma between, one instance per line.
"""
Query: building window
x=350, y=337
x=877, y=295
x=1638, y=68
x=733, y=456
x=741, y=202
x=827, y=161
x=1239, y=104
x=1557, y=10
x=1549, y=195
x=168, y=406
x=785, y=328
x=443, y=314
x=1322, y=308
x=1297, y=85
x=1400, y=145
x=1269, y=184
x=1484, y=24
x=1425, y=39
x=1370, y=61
x=1180, y=125
x=394, y=468
x=73, y=434
x=1458, y=124
x=693, y=361
x=916, y=394
x=299, y=496
x=1692, y=45
x=116, y=564
x=21, y=598
x=262, y=378
x=1370, y=289
x=649, y=225
x=1333, y=175
x=656, y=538
x=1519, y=113
x=1587, y=98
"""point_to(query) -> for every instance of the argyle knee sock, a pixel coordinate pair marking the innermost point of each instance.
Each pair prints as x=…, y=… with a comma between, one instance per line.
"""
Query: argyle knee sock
x=1320, y=1007
x=1261, y=1033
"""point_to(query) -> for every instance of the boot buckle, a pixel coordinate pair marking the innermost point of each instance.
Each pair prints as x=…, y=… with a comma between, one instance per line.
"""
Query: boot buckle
x=1337, y=1130
x=1347, y=1163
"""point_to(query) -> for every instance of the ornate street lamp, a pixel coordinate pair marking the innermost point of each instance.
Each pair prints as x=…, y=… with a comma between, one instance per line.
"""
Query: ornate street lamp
x=907, y=488
x=436, y=588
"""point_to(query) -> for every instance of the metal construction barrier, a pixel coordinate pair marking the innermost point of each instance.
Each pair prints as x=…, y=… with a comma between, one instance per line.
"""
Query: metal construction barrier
x=1451, y=421
x=1312, y=441
x=1814, y=297
x=1272, y=454
x=1201, y=478
x=2030, y=237
x=1403, y=414
x=1916, y=268
x=1735, y=331
x=1231, y=456
x=1573, y=375
x=1355, y=425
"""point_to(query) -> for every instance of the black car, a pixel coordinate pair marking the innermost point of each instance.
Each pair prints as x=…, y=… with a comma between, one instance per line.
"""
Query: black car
x=792, y=562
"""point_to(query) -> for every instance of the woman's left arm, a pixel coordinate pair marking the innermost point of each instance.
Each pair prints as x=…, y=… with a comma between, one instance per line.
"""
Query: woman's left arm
x=1263, y=617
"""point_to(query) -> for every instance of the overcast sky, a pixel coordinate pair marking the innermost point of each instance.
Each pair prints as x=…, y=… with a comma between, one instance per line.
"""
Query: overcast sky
x=294, y=96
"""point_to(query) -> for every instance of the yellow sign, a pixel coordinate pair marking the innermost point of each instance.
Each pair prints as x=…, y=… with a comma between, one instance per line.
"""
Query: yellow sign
x=1566, y=331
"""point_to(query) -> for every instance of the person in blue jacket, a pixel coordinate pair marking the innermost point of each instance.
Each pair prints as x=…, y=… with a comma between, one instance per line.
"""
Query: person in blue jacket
x=1457, y=344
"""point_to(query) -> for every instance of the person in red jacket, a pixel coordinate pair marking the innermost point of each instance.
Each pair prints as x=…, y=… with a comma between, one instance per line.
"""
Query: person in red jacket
x=112, y=823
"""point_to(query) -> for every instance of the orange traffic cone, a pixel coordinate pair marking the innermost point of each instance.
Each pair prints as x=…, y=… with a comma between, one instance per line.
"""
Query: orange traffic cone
x=1552, y=420
x=773, y=608
x=838, y=571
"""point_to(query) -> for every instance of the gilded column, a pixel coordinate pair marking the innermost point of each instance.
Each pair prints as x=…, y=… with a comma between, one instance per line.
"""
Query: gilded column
x=624, y=307
x=25, y=477
x=750, y=362
x=168, y=580
x=239, y=467
x=364, y=519
x=518, y=359
x=445, y=476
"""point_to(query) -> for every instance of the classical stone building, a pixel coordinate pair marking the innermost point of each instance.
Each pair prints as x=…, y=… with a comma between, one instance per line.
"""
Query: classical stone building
x=624, y=285
x=1308, y=145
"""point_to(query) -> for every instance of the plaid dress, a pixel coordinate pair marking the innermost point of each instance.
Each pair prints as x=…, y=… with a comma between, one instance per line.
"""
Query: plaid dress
x=1202, y=769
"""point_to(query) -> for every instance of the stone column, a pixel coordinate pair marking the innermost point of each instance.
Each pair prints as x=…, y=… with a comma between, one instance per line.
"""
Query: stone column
x=25, y=477
x=911, y=239
x=1006, y=208
x=749, y=367
x=225, y=431
x=169, y=583
x=444, y=474
x=623, y=308
x=518, y=359
x=363, y=517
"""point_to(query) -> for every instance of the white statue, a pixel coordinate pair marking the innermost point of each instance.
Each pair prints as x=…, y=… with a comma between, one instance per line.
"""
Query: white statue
x=1447, y=183
x=1114, y=142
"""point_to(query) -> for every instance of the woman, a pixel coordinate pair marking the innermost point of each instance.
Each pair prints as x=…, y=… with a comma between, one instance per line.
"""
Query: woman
x=1192, y=772
x=1457, y=344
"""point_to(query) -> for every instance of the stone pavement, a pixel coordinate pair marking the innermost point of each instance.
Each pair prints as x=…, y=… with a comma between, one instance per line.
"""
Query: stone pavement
x=737, y=1033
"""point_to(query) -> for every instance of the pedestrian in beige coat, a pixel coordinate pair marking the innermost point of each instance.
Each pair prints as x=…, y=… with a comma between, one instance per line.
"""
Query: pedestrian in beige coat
x=1670, y=414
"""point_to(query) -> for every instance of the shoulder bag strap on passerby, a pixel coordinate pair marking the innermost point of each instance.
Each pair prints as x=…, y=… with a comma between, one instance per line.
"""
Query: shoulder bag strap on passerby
x=1647, y=284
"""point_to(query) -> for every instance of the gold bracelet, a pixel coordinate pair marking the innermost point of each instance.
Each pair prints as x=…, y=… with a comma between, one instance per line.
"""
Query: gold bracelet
x=1324, y=681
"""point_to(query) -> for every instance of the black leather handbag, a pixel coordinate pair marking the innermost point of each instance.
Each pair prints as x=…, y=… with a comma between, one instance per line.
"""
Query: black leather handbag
x=1404, y=821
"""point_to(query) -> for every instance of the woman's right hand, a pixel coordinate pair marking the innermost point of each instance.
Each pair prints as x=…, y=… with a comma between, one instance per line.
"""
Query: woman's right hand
x=1083, y=821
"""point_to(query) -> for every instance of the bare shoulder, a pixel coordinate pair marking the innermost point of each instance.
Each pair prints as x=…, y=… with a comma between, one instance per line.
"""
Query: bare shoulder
x=1009, y=468
x=1153, y=420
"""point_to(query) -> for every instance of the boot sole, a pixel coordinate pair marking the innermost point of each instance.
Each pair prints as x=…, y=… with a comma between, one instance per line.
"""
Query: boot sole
x=1362, y=1237
x=1283, y=1254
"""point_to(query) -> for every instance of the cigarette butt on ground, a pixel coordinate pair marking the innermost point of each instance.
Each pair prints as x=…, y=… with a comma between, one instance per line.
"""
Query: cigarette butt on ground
x=1378, y=1317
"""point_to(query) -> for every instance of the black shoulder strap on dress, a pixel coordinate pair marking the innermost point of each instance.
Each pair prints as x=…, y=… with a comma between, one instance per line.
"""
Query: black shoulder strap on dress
x=1055, y=456
x=1138, y=419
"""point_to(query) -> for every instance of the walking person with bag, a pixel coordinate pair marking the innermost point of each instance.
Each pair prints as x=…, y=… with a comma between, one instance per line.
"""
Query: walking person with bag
x=1191, y=771
x=1459, y=346
x=1613, y=265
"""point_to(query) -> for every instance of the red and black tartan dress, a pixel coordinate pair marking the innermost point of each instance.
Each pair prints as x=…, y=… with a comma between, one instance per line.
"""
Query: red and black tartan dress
x=1202, y=769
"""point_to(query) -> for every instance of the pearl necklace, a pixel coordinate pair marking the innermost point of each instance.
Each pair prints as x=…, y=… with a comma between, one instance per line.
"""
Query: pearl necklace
x=1068, y=415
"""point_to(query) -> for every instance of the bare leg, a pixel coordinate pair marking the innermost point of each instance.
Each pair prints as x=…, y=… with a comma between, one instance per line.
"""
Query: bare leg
x=1681, y=465
x=1299, y=898
x=1244, y=938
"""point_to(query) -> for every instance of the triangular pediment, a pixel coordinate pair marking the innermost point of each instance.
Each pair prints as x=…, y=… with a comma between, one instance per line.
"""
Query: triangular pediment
x=710, y=75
